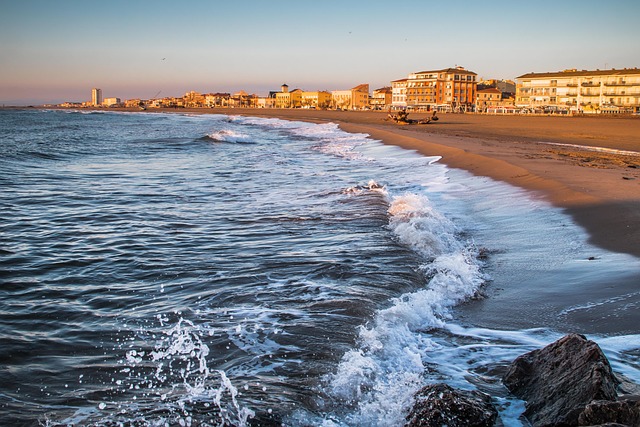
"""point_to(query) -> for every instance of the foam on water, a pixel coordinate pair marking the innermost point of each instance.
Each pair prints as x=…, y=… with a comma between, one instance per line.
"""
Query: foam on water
x=233, y=136
x=380, y=376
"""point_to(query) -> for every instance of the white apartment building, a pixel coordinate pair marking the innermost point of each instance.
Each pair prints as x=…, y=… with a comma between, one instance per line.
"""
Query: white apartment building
x=96, y=97
x=399, y=94
x=598, y=91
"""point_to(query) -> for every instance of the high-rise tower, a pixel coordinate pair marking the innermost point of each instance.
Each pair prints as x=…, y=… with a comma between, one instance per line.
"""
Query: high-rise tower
x=96, y=96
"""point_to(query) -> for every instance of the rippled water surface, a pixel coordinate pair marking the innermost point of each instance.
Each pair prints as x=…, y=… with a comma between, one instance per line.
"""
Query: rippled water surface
x=161, y=269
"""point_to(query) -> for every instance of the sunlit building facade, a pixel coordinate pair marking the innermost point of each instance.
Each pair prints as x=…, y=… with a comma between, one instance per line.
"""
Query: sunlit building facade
x=96, y=97
x=599, y=91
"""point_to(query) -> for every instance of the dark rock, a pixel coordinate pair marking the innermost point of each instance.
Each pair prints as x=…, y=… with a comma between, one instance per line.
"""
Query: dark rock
x=439, y=405
x=625, y=412
x=558, y=381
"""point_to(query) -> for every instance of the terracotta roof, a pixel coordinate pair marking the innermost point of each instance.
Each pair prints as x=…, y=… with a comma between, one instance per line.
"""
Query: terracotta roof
x=490, y=90
x=448, y=71
x=576, y=73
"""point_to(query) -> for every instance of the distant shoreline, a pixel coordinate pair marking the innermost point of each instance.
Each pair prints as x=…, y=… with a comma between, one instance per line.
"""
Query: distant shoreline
x=600, y=190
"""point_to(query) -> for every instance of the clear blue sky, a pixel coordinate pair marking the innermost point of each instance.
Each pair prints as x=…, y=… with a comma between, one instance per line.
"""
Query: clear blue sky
x=57, y=50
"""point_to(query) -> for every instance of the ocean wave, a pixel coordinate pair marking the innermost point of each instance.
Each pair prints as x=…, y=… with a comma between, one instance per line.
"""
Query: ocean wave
x=230, y=136
x=381, y=374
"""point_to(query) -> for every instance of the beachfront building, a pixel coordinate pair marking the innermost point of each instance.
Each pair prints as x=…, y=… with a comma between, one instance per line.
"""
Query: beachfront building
x=96, y=97
x=243, y=100
x=399, y=94
x=266, y=101
x=599, y=91
x=356, y=98
x=505, y=86
x=487, y=98
x=288, y=99
x=318, y=99
x=194, y=99
x=213, y=100
x=381, y=98
x=492, y=100
x=112, y=102
x=449, y=89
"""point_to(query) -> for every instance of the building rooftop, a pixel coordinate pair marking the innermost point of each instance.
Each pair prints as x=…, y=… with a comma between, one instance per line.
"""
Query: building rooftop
x=457, y=70
x=575, y=73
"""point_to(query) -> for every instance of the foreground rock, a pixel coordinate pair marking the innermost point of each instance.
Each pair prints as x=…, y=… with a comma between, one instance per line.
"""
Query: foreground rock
x=439, y=405
x=624, y=412
x=559, y=381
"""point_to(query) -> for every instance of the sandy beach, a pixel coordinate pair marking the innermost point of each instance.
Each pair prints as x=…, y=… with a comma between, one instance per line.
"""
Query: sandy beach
x=553, y=156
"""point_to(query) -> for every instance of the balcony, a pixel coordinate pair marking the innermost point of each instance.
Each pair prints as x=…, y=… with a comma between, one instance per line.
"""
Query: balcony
x=590, y=84
x=622, y=83
x=572, y=84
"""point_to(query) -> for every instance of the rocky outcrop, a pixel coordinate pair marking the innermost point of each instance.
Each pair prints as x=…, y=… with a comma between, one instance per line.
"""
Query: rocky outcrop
x=438, y=405
x=562, y=382
x=623, y=412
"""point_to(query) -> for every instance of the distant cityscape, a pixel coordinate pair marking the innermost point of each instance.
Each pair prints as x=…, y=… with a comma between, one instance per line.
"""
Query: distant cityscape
x=571, y=91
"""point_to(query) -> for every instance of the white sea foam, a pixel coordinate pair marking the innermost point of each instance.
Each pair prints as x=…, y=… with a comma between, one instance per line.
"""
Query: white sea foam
x=233, y=136
x=380, y=376
x=181, y=377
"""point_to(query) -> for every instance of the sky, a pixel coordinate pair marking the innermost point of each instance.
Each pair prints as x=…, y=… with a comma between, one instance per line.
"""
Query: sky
x=53, y=51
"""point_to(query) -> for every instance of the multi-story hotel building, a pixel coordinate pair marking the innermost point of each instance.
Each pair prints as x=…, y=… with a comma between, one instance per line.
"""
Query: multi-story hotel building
x=96, y=96
x=399, y=94
x=446, y=89
x=356, y=98
x=380, y=98
x=286, y=99
x=599, y=91
x=317, y=99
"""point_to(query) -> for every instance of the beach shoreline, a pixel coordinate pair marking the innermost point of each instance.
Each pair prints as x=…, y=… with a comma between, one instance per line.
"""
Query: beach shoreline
x=552, y=157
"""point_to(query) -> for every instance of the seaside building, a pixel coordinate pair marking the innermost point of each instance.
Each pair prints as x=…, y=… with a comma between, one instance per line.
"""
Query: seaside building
x=288, y=99
x=266, y=101
x=494, y=101
x=243, y=100
x=449, y=89
x=505, y=86
x=597, y=91
x=318, y=99
x=194, y=99
x=212, y=100
x=381, y=98
x=356, y=98
x=399, y=94
x=96, y=97
x=134, y=103
x=112, y=102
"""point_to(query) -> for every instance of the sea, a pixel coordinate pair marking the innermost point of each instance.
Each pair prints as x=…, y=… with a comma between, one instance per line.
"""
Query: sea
x=162, y=269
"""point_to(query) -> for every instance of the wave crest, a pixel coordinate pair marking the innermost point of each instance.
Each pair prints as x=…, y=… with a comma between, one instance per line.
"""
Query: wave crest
x=230, y=136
